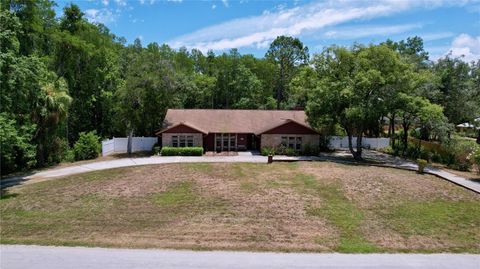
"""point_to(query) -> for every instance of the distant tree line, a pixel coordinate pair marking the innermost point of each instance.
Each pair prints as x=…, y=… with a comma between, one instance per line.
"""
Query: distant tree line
x=61, y=77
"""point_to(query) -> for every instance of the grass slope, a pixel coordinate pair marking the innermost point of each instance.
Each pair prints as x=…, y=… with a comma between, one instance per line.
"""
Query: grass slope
x=317, y=206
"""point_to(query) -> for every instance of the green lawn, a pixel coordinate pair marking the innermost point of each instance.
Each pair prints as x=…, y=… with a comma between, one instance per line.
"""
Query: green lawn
x=314, y=206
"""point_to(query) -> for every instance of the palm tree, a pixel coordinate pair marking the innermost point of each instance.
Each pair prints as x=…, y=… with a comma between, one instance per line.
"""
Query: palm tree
x=49, y=115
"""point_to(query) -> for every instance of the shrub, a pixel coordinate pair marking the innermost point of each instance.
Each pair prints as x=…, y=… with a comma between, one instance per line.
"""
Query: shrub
x=181, y=151
x=290, y=152
x=265, y=151
x=87, y=146
x=458, y=152
x=388, y=150
x=69, y=156
x=421, y=165
x=474, y=157
x=437, y=157
x=309, y=150
x=156, y=149
x=425, y=154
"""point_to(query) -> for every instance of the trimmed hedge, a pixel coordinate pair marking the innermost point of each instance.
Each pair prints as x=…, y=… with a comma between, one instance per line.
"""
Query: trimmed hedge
x=182, y=151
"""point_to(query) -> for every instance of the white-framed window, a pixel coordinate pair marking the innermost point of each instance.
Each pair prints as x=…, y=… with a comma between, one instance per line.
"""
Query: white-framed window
x=174, y=141
x=284, y=141
x=233, y=140
x=293, y=142
x=182, y=141
x=298, y=144
x=189, y=140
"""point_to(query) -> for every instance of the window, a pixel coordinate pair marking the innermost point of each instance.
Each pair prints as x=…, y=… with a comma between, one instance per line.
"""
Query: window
x=190, y=141
x=232, y=141
x=225, y=141
x=291, y=142
x=182, y=141
x=298, y=145
x=284, y=141
x=218, y=141
x=174, y=141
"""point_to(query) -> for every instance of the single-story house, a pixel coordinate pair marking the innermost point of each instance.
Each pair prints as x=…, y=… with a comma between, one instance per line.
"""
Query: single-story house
x=236, y=129
x=468, y=126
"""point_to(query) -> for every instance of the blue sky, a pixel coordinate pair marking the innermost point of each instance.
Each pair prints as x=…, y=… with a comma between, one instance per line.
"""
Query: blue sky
x=450, y=25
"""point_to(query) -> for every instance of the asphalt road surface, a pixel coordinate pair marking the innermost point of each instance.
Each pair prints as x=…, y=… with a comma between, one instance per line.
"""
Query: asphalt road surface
x=39, y=257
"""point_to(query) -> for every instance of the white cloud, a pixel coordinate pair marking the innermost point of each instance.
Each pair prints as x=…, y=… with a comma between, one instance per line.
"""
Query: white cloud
x=369, y=30
x=100, y=16
x=436, y=36
x=225, y=3
x=260, y=30
x=105, y=2
x=214, y=6
x=176, y=1
x=466, y=46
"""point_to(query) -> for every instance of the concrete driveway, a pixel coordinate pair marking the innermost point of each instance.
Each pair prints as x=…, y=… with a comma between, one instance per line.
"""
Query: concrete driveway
x=125, y=162
x=25, y=257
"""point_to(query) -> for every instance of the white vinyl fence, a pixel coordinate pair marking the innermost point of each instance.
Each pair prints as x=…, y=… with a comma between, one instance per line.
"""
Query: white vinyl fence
x=119, y=144
x=341, y=142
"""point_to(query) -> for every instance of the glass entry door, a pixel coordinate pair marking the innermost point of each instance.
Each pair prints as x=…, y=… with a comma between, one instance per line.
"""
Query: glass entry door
x=226, y=142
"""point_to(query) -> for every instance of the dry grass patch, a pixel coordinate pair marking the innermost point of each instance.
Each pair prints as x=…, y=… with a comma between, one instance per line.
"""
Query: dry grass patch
x=282, y=207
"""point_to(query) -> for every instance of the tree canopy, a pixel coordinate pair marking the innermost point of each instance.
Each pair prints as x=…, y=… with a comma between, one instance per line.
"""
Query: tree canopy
x=64, y=75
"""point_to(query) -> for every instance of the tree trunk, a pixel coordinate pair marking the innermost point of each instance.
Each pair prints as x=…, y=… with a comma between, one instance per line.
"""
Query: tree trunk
x=405, y=135
x=357, y=155
x=359, y=146
x=393, y=129
x=478, y=137
x=129, y=143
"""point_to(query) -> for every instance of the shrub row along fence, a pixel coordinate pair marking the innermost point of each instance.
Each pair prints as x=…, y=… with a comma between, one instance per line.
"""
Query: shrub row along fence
x=341, y=142
x=119, y=144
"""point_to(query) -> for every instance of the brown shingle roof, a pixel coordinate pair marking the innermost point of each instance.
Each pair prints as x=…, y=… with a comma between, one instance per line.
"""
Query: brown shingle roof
x=232, y=120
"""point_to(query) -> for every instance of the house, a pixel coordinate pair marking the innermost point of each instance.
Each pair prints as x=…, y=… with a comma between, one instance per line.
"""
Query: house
x=469, y=126
x=236, y=130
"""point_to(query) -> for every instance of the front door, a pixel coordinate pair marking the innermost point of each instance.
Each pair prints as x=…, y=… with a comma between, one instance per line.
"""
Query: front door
x=225, y=142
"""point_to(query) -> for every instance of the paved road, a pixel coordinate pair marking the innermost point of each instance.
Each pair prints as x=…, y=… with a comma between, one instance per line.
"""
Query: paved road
x=25, y=257
x=338, y=156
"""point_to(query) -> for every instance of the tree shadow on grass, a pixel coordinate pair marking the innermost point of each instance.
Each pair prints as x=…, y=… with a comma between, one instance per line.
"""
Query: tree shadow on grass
x=13, y=181
x=5, y=194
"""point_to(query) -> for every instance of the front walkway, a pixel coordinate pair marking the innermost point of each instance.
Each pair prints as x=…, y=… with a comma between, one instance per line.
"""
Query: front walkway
x=39, y=257
x=379, y=159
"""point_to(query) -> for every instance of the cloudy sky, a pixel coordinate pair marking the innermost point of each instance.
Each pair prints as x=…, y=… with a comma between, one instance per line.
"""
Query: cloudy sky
x=446, y=26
